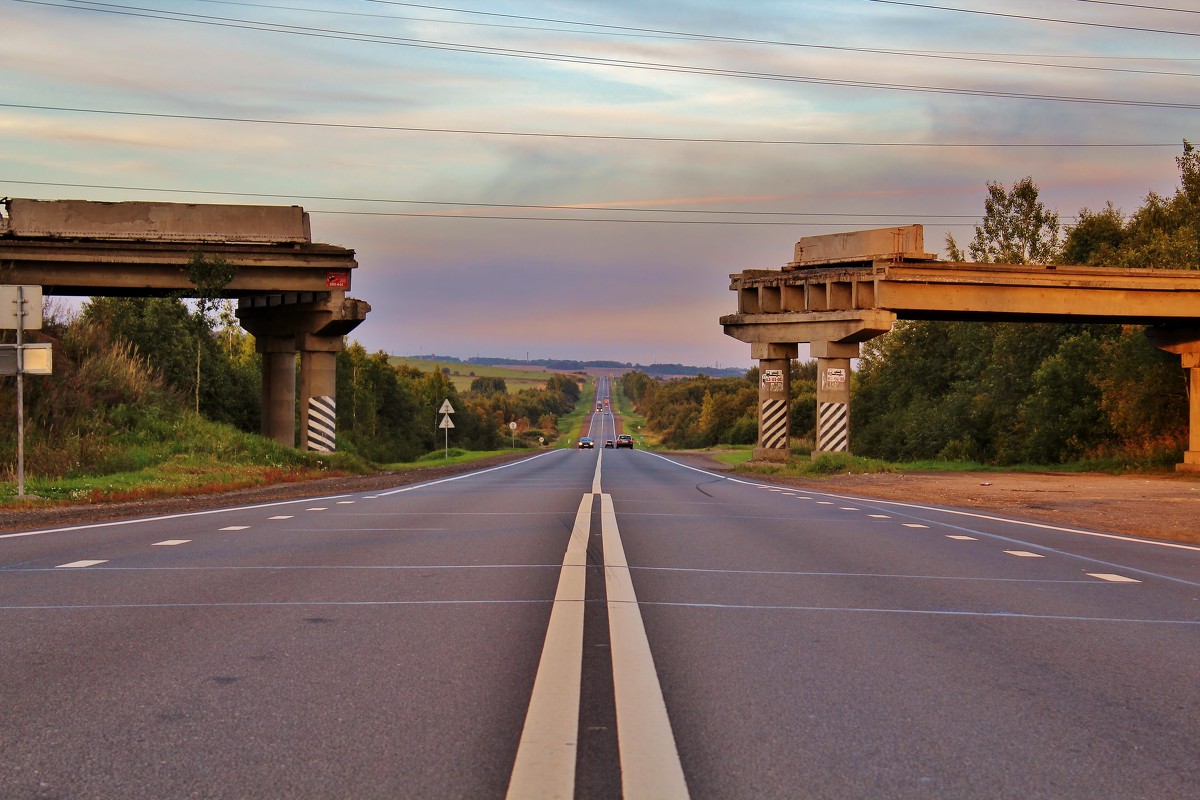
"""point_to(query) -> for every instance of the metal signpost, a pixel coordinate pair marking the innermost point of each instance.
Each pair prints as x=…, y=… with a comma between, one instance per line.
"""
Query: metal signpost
x=15, y=302
x=446, y=410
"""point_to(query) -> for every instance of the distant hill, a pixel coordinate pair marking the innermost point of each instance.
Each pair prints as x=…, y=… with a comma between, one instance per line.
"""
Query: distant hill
x=567, y=365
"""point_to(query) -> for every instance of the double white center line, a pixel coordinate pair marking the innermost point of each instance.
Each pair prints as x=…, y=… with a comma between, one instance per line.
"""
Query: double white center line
x=546, y=757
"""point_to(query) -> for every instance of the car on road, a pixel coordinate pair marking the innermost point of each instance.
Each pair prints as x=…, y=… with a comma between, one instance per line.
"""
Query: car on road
x=608, y=442
x=586, y=441
x=625, y=440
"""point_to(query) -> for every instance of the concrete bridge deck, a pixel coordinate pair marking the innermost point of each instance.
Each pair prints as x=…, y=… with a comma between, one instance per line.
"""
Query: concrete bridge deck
x=291, y=292
x=844, y=289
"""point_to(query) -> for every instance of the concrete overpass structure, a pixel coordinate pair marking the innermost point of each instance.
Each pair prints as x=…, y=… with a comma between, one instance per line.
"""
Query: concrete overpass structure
x=844, y=289
x=291, y=292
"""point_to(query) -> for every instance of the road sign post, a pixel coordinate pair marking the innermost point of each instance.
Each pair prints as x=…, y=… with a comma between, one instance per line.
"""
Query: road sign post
x=446, y=410
x=14, y=308
x=512, y=426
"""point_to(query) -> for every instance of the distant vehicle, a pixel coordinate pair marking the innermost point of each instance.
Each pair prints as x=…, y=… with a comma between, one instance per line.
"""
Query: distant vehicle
x=625, y=440
x=586, y=441
x=599, y=407
x=608, y=443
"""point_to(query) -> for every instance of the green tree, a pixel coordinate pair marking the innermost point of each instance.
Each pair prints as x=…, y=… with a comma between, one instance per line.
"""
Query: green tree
x=488, y=385
x=163, y=332
x=210, y=276
x=1016, y=228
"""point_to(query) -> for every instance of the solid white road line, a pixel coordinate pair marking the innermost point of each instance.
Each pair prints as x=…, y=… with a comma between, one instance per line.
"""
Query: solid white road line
x=596, y=475
x=956, y=512
x=140, y=520
x=650, y=766
x=545, y=765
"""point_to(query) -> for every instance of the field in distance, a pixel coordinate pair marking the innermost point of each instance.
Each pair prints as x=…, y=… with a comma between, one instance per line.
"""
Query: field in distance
x=461, y=375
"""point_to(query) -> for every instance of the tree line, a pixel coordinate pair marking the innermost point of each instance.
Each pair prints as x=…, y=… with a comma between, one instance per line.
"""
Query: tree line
x=128, y=367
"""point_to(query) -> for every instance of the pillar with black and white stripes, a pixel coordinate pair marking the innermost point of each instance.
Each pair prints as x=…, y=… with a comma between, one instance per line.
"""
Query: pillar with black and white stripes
x=318, y=392
x=833, y=395
x=774, y=400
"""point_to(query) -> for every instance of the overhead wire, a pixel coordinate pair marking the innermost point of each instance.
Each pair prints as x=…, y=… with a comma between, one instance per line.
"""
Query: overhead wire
x=134, y=11
x=1032, y=18
x=584, y=136
x=826, y=217
x=1141, y=6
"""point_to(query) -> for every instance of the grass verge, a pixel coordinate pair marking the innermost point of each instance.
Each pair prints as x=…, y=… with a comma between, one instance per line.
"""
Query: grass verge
x=571, y=425
x=633, y=422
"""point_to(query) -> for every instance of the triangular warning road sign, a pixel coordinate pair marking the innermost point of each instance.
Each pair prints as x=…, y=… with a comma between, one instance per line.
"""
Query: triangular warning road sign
x=446, y=408
x=446, y=423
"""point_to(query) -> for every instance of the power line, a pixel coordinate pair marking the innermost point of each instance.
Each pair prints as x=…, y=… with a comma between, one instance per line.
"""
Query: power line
x=831, y=215
x=607, y=29
x=1031, y=18
x=1139, y=5
x=585, y=136
x=535, y=55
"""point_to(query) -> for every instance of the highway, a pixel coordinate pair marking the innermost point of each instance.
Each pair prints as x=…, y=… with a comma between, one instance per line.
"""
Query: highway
x=596, y=623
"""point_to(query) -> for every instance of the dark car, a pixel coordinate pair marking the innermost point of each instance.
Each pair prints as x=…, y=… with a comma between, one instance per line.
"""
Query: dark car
x=625, y=440
x=608, y=442
x=586, y=441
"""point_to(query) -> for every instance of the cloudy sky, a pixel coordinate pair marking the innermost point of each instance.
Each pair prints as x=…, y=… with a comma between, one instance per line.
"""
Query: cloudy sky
x=577, y=178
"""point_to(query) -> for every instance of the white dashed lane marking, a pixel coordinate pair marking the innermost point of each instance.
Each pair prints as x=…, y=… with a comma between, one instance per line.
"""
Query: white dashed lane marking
x=1024, y=554
x=1112, y=578
x=346, y=502
x=236, y=528
x=80, y=564
x=281, y=516
x=914, y=525
x=171, y=542
x=878, y=516
x=961, y=538
x=317, y=508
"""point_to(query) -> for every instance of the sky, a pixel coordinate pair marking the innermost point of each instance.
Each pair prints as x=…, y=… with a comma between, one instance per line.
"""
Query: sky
x=578, y=179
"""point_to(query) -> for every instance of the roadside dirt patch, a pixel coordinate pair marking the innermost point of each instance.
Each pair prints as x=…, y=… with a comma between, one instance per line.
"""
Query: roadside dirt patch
x=1155, y=506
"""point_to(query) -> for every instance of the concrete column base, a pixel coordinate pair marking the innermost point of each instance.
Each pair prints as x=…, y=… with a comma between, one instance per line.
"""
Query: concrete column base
x=1191, y=462
x=771, y=454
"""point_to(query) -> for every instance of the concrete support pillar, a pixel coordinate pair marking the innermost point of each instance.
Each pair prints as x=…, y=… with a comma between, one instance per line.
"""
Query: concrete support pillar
x=318, y=391
x=774, y=400
x=833, y=395
x=279, y=388
x=1191, y=457
x=1184, y=340
x=315, y=326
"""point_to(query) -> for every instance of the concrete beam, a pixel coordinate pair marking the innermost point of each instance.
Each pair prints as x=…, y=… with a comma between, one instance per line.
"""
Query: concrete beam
x=142, y=221
x=115, y=268
x=907, y=241
x=838, y=326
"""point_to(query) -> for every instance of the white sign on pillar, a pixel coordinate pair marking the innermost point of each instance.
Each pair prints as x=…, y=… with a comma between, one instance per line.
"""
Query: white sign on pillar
x=446, y=408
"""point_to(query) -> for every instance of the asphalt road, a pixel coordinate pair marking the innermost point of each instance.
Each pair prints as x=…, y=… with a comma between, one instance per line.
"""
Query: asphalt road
x=585, y=620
